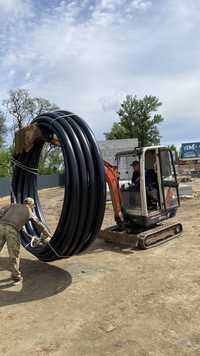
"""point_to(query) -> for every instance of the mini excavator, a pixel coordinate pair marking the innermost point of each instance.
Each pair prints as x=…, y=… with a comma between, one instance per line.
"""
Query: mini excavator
x=141, y=208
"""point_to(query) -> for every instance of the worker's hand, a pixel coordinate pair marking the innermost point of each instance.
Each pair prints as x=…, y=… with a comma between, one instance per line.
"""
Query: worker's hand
x=45, y=238
x=48, y=239
x=35, y=241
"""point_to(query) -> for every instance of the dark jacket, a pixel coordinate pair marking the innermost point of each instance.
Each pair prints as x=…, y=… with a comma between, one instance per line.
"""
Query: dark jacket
x=136, y=180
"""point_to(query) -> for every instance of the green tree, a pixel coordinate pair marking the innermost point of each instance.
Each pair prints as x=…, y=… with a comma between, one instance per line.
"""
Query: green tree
x=5, y=155
x=51, y=160
x=3, y=128
x=174, y=152
x=137, y=120
x=172, y=148
x=22, y=107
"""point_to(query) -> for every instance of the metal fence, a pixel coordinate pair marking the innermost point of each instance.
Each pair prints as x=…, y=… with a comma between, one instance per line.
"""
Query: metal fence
x=47, y=181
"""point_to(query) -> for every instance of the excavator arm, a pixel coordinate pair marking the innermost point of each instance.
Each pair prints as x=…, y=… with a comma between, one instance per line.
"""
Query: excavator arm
x=112, y=178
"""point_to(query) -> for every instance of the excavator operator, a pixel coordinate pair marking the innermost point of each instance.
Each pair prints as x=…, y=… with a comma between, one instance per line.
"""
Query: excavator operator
x=151, y=183
x=135, y=180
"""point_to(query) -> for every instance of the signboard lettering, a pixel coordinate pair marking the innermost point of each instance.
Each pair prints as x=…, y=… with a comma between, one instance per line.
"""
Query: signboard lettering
x=190, y=150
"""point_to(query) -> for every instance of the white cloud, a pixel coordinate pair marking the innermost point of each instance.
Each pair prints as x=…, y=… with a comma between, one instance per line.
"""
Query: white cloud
x=12, y=6
x=86, y=56
x=141, y=4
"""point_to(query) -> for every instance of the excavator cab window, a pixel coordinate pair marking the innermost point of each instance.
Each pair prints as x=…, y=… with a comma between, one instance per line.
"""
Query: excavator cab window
x=125, y=169
x=130, y=182
x=169, y=181
x=151, y=180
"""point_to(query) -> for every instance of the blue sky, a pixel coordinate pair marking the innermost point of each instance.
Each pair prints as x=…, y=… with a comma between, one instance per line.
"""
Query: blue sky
x=87, y=55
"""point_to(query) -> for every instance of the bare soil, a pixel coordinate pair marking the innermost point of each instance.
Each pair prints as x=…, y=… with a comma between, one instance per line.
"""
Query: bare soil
x=109, y=300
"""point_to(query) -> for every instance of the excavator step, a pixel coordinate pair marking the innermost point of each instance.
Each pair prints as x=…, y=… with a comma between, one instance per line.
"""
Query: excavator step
x=142, y=239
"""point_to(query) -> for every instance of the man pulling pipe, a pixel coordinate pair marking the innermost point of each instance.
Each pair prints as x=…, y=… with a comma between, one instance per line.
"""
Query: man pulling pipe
x=12, y=220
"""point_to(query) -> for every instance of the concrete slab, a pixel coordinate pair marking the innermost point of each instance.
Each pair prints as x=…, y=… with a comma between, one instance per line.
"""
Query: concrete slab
x=185, y=190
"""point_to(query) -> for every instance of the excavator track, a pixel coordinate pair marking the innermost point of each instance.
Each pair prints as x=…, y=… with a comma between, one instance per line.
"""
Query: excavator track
x=145, y=239
x=159, y=235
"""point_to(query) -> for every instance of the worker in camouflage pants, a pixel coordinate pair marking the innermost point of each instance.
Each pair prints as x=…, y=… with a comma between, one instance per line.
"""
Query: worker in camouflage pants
x=9, y=235
x=12, y=220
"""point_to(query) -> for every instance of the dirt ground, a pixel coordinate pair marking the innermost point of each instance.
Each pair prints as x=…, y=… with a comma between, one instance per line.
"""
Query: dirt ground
x=108, y=301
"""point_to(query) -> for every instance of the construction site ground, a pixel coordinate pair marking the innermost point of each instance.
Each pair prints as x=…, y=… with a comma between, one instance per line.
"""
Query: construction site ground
x=108, y=301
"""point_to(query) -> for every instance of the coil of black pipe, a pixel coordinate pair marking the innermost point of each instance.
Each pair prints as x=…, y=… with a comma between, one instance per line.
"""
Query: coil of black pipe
x=85, y=188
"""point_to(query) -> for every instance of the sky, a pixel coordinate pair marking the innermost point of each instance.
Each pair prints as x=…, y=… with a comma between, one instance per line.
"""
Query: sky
x=85, y=56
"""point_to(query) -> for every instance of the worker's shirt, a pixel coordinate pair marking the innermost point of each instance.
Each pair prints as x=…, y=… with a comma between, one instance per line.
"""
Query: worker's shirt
x=136, y=180
x=17, y=215
x=151, y=179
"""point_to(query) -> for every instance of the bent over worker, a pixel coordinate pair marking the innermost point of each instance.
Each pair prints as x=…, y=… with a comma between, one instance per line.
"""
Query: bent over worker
x=12, y=220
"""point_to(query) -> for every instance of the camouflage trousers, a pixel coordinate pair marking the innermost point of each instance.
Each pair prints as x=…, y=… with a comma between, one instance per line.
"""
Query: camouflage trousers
x=10, y=236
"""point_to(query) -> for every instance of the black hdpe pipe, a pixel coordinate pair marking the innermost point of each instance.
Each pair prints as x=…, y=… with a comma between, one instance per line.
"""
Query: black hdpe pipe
x=85, y=188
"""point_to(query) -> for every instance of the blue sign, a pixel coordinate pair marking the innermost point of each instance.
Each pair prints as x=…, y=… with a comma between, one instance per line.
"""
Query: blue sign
x=190, y=150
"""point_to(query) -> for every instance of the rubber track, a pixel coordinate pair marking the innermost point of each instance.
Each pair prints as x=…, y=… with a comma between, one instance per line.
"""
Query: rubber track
x=159, y=235
x=85, y=187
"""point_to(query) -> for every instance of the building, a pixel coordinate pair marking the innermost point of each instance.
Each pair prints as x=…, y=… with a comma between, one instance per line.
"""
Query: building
x=109, y=148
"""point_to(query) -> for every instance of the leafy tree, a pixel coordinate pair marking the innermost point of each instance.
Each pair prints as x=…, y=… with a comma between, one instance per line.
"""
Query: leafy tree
x=22, y=107
x=3, y=128
x=137, y=120
x=51, y=160
x=174, y=152
x=5, y=155
x=172, y=148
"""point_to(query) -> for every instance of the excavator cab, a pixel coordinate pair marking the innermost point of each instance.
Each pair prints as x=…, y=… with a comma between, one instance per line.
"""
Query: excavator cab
x=149, y=188
x=144, y=193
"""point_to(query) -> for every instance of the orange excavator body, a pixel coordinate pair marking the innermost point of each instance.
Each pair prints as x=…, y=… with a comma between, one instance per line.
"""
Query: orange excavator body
x=112, y=178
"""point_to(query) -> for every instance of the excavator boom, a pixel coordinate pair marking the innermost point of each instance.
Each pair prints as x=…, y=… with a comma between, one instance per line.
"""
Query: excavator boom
x=112, y=178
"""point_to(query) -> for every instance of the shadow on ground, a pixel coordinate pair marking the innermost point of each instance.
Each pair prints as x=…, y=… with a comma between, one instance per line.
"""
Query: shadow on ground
x=41, y=280
x=99, y=245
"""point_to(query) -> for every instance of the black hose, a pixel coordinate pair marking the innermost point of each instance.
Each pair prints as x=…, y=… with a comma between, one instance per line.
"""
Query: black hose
x=85, y=187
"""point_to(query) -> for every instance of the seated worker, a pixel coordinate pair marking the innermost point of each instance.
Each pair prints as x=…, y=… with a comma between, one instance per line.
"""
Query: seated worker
x=151, y=182
x=135, y=180
x=12, y=220
x=151, y=179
